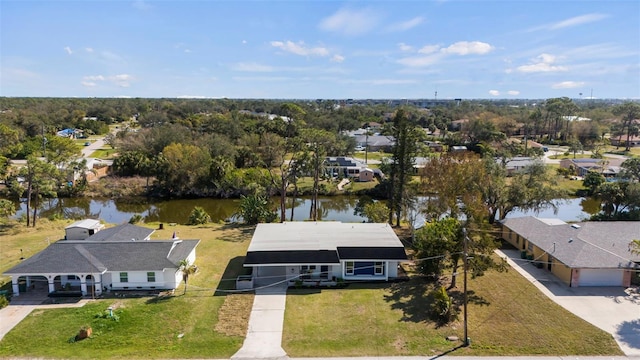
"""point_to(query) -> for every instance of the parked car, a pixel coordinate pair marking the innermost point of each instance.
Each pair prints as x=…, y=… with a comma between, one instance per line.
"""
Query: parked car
x=87, y=143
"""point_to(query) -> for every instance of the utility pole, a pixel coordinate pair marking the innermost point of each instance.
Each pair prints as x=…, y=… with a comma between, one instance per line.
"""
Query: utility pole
x=466, y=267
x=44, y=144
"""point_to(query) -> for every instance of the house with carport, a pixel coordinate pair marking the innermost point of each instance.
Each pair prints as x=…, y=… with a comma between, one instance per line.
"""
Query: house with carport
x=581, y=254
x=118, y=258
x=323, y=253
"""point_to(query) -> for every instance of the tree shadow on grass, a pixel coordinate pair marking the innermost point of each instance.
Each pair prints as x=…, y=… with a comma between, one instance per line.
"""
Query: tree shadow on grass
x=238, y=232
x=413, y=298
x=231, y=272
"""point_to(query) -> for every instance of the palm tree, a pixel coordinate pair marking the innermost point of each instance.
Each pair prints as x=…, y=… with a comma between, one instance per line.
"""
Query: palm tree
x=187, y=269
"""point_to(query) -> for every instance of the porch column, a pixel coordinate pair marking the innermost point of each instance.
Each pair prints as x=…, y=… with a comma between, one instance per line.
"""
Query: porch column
x=83, y=284
x=386, y=270
x=97, y=283
x=52, y=286
x=14, y=286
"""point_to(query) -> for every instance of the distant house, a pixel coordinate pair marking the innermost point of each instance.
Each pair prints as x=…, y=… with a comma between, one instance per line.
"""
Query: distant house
x=347, y=167
x=608, y=167
x=434, y=146
x=70, y=133
x=375, y=142
x=517, y=164
x=582, y=254
x=322, y=252
x=458, y=148
x=622, y=141
x=103, y=263
x=82, y=229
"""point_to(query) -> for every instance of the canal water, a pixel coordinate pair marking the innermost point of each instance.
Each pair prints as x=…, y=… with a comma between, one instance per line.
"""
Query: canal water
x=337, y=208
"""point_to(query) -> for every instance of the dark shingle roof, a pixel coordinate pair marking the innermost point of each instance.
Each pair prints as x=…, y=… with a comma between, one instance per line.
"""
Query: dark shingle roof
x=292, y=257
x=83, y=256
x=124, y=232
x=371, y=253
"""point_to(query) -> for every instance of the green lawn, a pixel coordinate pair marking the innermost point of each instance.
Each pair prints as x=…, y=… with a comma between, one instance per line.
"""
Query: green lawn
x=148, y=327
x=104, y=153
x=508, y=316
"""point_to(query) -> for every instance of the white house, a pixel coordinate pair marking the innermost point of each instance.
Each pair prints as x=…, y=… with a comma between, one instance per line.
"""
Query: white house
x=82, y=229
x=99, y=263
x=323, y=251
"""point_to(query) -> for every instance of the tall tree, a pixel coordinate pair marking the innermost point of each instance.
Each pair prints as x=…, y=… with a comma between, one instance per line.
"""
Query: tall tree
x=407, y=139
x=630, y=119
x=41, y=179
x=318, y=142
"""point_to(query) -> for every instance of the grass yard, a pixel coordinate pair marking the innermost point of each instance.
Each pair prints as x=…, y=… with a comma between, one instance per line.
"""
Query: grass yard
x=106, y=154
x=508, y=316
x=211, y=326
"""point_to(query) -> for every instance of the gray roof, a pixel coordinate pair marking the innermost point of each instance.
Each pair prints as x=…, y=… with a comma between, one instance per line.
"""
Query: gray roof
x=124, y=232
x=96, y=257
x=592, y=244
x=323, y=242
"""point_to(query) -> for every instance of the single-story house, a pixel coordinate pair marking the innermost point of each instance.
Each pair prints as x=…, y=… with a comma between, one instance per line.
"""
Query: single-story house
x=608, y=167
x=122, y=232
x=517, y=164
x=350, y=168
x=82, y=229
x=581, y=254
x=375, y=142
x=323, y=252
x=622, y=141
x=92, y=266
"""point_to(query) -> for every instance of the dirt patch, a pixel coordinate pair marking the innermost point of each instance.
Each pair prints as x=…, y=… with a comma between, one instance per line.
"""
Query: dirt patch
x=400, y=345
x=233, y=316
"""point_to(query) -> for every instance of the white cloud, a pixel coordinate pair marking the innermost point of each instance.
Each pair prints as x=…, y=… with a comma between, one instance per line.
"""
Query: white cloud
x=405, y=47
x=244, y=41
x=337, y=58
x=121, y=80
x=513, y=92
x=252, y=67
x=68, y=50
x=300, y=49
x=429, y=49
x=468, y=47
x=350, y=22
x=94, y=78
x=542, y=63
x=494, y=92
x=405, y=25
x=568, y=85
x=187, y=50
x=391, y=81
x=420, y=61
x=577, y=20
x=88, y=49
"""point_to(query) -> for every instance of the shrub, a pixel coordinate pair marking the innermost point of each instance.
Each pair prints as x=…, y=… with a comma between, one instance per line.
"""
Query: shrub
x=198, y=216
x=4, y=302
x=442, y=309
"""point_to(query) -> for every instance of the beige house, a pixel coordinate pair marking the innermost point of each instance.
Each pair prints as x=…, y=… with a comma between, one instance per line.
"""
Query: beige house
x=582, y=254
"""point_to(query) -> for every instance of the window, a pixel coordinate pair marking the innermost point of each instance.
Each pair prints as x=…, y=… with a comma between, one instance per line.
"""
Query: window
x=530, y=246
x=348, y=268
x=378, y=268
x=151, y=276
x=124, y=277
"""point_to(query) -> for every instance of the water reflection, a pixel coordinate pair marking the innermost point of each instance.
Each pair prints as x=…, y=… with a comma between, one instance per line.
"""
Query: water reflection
x=337, y=208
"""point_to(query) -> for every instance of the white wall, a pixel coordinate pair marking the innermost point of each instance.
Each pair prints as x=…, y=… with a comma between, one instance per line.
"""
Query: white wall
x=76, y=233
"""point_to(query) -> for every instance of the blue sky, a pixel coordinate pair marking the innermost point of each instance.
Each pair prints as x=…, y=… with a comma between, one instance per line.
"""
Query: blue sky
x=321, y=49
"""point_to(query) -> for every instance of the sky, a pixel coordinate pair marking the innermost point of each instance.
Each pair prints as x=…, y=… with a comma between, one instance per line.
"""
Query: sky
x=444, y=49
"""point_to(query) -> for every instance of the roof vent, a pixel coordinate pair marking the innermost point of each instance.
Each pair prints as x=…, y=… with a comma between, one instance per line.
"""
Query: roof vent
x=575, y=226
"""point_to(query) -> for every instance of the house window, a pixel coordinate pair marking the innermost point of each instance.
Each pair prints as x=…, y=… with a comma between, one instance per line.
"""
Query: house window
x=348, y=268
x=378, y=268
x=124, y=277
x=530, y=246
x=151, y=276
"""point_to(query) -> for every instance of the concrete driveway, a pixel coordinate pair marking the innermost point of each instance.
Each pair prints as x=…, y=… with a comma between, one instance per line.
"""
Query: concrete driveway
x=613, y=309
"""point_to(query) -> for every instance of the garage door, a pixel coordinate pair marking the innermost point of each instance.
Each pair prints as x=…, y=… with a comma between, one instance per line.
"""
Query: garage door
x=601, y=277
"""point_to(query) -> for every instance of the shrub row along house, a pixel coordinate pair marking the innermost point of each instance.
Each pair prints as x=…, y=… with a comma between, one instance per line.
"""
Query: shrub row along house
x=582, y=254
x=322, y=253
x=94, y=260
